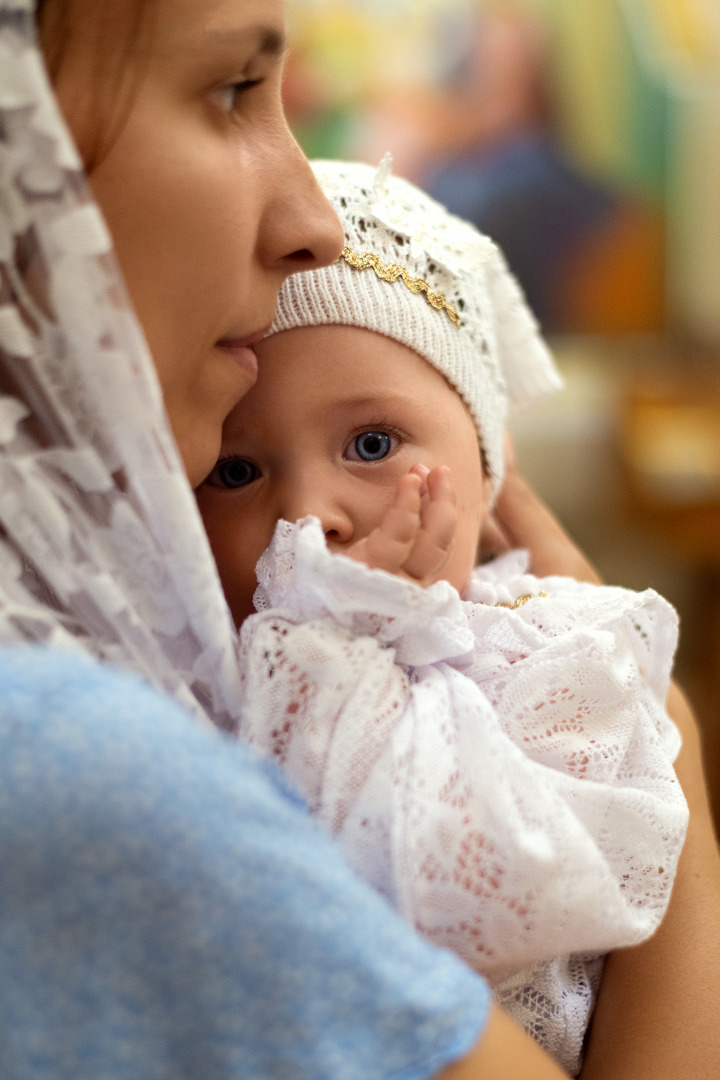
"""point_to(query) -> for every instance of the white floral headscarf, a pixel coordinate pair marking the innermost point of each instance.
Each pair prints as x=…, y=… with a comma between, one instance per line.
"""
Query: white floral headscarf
x=101, y=544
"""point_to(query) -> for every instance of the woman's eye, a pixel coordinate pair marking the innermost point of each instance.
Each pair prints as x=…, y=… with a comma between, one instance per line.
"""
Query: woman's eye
x=233, y=473
x=230, y=95
x=371, y=446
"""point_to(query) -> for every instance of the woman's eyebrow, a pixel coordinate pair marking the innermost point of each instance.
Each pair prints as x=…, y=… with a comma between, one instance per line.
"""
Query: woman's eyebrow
x=265, y=39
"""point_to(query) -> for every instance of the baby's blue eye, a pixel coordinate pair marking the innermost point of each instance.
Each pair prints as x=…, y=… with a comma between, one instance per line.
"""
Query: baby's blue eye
x=372, y=445
x=233, y=473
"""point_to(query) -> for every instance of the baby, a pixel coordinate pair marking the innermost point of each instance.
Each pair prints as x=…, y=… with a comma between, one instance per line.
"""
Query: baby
x=491, y=749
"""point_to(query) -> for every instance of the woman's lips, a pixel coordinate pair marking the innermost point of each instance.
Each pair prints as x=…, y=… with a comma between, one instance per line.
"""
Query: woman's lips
x=244, y=355
x=242, y=350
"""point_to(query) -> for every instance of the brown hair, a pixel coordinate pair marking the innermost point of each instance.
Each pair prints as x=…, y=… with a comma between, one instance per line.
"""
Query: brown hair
x=114, y=39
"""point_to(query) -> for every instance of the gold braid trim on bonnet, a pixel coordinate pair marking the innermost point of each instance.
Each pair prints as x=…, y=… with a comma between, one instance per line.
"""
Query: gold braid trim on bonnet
x=395, y=272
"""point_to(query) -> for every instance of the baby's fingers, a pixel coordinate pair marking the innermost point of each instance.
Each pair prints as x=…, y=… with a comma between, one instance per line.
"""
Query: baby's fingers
x=436, y=535
x=388, y=546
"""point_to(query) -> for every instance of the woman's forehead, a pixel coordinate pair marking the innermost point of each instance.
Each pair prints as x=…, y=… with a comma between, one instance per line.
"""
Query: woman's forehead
x=189, y=26
x=245, y=26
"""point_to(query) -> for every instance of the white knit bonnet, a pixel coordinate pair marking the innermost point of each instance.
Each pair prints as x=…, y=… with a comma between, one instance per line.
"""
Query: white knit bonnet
x=415, y=273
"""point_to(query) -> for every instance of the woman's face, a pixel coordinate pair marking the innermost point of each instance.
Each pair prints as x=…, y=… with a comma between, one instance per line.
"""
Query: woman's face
x=210, y=201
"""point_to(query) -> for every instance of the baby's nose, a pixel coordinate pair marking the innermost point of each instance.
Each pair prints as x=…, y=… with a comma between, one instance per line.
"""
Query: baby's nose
x=338, y=528
x=335, y=520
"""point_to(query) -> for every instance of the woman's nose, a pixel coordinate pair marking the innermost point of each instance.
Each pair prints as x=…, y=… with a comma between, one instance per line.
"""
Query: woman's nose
x=300, y=230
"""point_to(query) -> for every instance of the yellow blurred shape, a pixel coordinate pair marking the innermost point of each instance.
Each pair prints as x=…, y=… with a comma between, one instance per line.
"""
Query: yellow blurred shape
x=686, y=33
x=675, y=450
x=671, y=457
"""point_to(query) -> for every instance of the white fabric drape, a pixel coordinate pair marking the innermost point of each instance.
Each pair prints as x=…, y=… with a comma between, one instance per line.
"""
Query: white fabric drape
x=498, y=766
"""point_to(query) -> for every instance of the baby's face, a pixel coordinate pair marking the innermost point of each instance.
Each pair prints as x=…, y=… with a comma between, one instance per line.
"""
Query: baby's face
x=338, y=414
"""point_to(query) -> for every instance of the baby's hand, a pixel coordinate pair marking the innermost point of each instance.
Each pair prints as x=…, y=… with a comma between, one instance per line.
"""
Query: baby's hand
x=415, y=537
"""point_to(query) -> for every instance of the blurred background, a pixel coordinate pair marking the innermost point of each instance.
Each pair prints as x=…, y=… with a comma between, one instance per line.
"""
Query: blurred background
x=584, y=137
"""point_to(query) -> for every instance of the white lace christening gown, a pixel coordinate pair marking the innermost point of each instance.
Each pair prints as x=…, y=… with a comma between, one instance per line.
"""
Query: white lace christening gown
x=499, y=766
